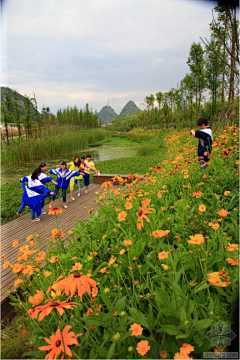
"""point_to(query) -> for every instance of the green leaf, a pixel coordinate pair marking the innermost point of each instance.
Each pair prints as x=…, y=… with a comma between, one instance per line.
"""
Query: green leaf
x=205, y=285
x=161, y=297
x=170, y=329
x=138, y=316
x=202, y=324
x=111, y=351
x=182, y=336
x=120, y=304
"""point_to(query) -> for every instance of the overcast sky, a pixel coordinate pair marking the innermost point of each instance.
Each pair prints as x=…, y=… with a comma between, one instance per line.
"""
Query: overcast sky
x=70, y=52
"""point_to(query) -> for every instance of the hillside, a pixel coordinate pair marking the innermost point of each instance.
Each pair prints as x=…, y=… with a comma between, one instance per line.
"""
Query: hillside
x=106, y=114
x=19, y=97
x=129, y=109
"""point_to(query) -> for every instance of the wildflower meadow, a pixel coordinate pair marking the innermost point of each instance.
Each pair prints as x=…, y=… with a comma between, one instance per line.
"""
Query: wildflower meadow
x=150, y=271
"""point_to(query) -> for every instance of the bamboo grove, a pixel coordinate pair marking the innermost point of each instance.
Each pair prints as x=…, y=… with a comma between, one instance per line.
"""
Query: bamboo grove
x=210, y=89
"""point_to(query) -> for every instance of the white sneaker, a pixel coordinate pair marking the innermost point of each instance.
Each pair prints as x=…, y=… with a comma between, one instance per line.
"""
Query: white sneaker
x=79, y=194
x=72, y=198
x=43, y=213
x=51, y=204
x=65, y=206
x=86, y=191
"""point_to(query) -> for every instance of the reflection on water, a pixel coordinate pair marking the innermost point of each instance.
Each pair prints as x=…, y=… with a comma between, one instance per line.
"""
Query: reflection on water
x=100, y=153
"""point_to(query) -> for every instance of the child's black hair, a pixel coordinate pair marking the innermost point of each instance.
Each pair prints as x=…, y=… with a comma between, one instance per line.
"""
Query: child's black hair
x=83, y=157
x=78, y=162
x=64, y=163
x=35, y=174
x=202, y=121
x=88, y=156
x=42, y=165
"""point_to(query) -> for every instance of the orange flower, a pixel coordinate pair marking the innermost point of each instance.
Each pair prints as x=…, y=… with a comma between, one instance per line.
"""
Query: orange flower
x=112, y=261
x=24, y=332
x=159, y=233
x=232, y=247
x=121, y=252
x=37, y=298
x=30, y=237
x=215, y=278
x=122, y=216
x=164, y=354
x=181, y=356
x=70, y=232
x=127, y=242
x=60, y=343
x=51, y=304
x=75, y=282
x=2, y=256
x=56, y=233
x=90, y=211
x=136, y=329
x=18, y=282
x=223, y=213
x=141, y=214
x=214, y=226
x=104, y=236
x=202, y=208
x=163, y=255
x=143, y=347
x=17, y=268
x=186, y=349
x=196, y=239
x=232, y=262
x=47, y=273
x=77, y=266
x=204, y=176
x=128, y=205
x=226, y=193
x=55, y=211
x=106, y=184
x=15, y=244
x=197, y=194
x=53, y=259
x=6, y=264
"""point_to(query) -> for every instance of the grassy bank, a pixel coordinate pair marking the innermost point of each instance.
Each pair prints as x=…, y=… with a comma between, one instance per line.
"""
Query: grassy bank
x=50, y=147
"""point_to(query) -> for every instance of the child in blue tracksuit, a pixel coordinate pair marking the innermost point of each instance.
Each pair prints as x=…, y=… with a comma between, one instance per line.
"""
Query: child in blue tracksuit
x=205, y=141
x=35, y=186
x=63, y=178
x=44, y=179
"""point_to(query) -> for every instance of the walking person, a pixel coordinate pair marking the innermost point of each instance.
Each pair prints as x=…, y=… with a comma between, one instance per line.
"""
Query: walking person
x=205, y=142
x=44, y=179
x=33, y=194
x=63, y=178
x=74, y=166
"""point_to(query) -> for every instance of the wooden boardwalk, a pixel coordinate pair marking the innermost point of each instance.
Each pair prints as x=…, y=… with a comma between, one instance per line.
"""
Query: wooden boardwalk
x=21, y=227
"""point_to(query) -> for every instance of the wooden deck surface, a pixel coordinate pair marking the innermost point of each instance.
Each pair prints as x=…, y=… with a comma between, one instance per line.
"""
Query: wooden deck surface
x=21, y=227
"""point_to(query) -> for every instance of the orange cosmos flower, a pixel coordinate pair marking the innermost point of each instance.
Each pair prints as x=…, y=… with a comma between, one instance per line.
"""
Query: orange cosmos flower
x=196, y=239
x=215, y=278
x=232, y=262
x=186, y=186
x=202, y=208
x=223, y=213
x=30, y=237
x=60, y=343
x=104, y=236
x=121, y=252
x=77, y=266
x=24, y=332
x=56, y=233
x=106, y=184
x=17, y=268
x=6, y=264
x=70, y=232
x=143, y=347
x=127, y=242
x=197, y=194
x=159, y=233
x=112, y=261
x=15, y=244
x=205, y=176
x=18, y=282
x=181, y=356
x=75, y=282
x=128, y=205
x=122, y=216
x=136, y=329
x=214, y=226
x=232, y=247
x=141, y=214
x=163, y=255
x=164, y=354
x=47, y=273
x=2, y=256
x=90, y=211
x=186, y=349
x=53, y=259
x=226, y=193
x=37, y=298
x=51, y=304
x=55, y=211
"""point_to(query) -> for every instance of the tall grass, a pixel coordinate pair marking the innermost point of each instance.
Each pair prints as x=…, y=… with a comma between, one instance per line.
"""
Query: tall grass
x=46, y=148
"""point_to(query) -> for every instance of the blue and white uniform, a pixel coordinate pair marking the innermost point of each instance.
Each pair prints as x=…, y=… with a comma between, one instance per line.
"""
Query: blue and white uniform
x=63, y=179
x=205, y=143
x=44, y=178
x=33, y=199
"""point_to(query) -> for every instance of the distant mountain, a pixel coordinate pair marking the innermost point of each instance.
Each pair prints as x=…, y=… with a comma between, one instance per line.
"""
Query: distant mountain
x=106, y=114
x=19, y=99
x=129, y=109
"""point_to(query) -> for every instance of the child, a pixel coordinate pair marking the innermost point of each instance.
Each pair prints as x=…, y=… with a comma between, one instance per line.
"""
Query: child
x=89, y=164
x=33, y=194
x=74, y=165
x=205, y=141
x=44, y=179
x=63, y=177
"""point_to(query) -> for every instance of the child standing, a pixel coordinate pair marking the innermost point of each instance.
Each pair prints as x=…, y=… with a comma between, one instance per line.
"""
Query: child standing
x=88, y=164
x=74, y=165
x=205, y=141
x=63, y=178
x=44, y=179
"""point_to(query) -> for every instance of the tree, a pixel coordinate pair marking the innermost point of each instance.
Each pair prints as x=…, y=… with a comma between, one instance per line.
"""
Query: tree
x=16, y=113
